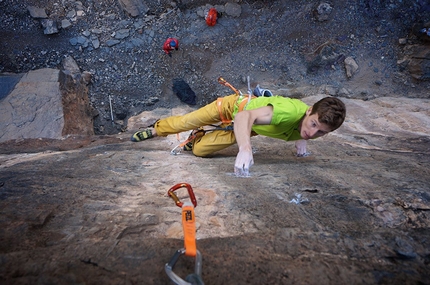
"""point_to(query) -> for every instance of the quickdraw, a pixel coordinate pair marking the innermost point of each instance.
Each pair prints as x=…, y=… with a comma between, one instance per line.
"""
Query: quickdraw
x=178, y=149
x=188, y=218
x=189, y=228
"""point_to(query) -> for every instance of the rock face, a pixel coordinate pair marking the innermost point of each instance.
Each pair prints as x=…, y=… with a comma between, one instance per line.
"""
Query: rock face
x=76, y=208
x=34, y=108
x=78, y=114
x=95, y=209
x=417, y=62
x=48, y=103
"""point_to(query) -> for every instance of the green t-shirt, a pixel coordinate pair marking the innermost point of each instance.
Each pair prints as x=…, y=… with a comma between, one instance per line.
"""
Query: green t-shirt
x=287, y=113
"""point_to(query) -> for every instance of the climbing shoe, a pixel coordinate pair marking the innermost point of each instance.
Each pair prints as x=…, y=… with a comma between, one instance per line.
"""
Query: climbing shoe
x=188, y=146
x=142, y=135
x=260, y=92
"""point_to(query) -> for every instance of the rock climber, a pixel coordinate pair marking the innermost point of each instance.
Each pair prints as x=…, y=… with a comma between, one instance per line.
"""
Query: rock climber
x=275, y=116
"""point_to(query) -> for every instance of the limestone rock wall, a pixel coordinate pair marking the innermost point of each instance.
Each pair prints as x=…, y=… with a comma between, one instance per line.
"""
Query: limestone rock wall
x=33, y=109
x=48, y=103
x=78, y=113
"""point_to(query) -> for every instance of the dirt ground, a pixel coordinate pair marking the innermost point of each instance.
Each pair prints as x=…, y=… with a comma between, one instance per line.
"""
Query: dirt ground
x=95, y=210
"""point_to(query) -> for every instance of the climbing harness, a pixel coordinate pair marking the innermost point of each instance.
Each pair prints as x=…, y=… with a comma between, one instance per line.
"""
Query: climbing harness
x=241, y=106
x=189, y=249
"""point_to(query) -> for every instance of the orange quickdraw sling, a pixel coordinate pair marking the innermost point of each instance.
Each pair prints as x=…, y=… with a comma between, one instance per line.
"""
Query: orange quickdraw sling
x=189, y=228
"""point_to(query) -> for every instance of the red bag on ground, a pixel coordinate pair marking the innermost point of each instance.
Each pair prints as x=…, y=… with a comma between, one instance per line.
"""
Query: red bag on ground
x=211, y=17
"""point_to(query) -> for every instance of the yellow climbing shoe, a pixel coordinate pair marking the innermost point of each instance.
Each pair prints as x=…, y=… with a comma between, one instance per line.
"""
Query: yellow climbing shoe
x=142, y=135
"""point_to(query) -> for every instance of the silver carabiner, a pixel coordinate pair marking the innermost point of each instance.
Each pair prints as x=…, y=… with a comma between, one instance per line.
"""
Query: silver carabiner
x=195, y=278
x=176, y=150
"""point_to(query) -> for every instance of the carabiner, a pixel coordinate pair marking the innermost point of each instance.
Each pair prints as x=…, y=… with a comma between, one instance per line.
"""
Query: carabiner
x=196, y=278
x=222, y=81
x=176, y=199
x=176, y=150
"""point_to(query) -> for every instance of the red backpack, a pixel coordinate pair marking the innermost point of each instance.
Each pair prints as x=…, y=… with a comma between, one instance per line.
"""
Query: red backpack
x=211, y=17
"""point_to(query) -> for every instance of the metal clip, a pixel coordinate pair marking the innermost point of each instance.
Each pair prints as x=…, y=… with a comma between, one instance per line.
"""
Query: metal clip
x=176, y=199
x=194, y=279
x=222, y=81
x=176, y=150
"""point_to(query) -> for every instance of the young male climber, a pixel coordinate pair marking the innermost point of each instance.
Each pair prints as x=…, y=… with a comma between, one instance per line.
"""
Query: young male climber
x=276, y=116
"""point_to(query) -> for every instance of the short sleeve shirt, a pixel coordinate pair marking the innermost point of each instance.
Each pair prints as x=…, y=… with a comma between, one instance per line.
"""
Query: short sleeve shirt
x=287, y=114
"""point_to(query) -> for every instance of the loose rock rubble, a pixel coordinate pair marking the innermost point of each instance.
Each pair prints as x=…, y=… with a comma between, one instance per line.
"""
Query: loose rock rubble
x=291, y=48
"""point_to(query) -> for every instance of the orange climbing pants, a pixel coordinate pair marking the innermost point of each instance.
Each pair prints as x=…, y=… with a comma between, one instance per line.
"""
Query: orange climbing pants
x=208, y=115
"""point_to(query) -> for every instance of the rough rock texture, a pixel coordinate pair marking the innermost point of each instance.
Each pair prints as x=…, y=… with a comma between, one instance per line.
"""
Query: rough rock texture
x=351, y=66
x=34, y=108
x=78, y=113
x=95, y=210
x=48, y=103
x=86, y=209
x=37, y=13
x=134, y=7
x=418, y=62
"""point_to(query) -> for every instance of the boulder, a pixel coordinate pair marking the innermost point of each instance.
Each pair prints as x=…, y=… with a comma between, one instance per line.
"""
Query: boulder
x=47, y=103
x=418, y=62
x=78, y=113
x=134, y=7
x=351, y=66
x=33, y=109
x=37, y=13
